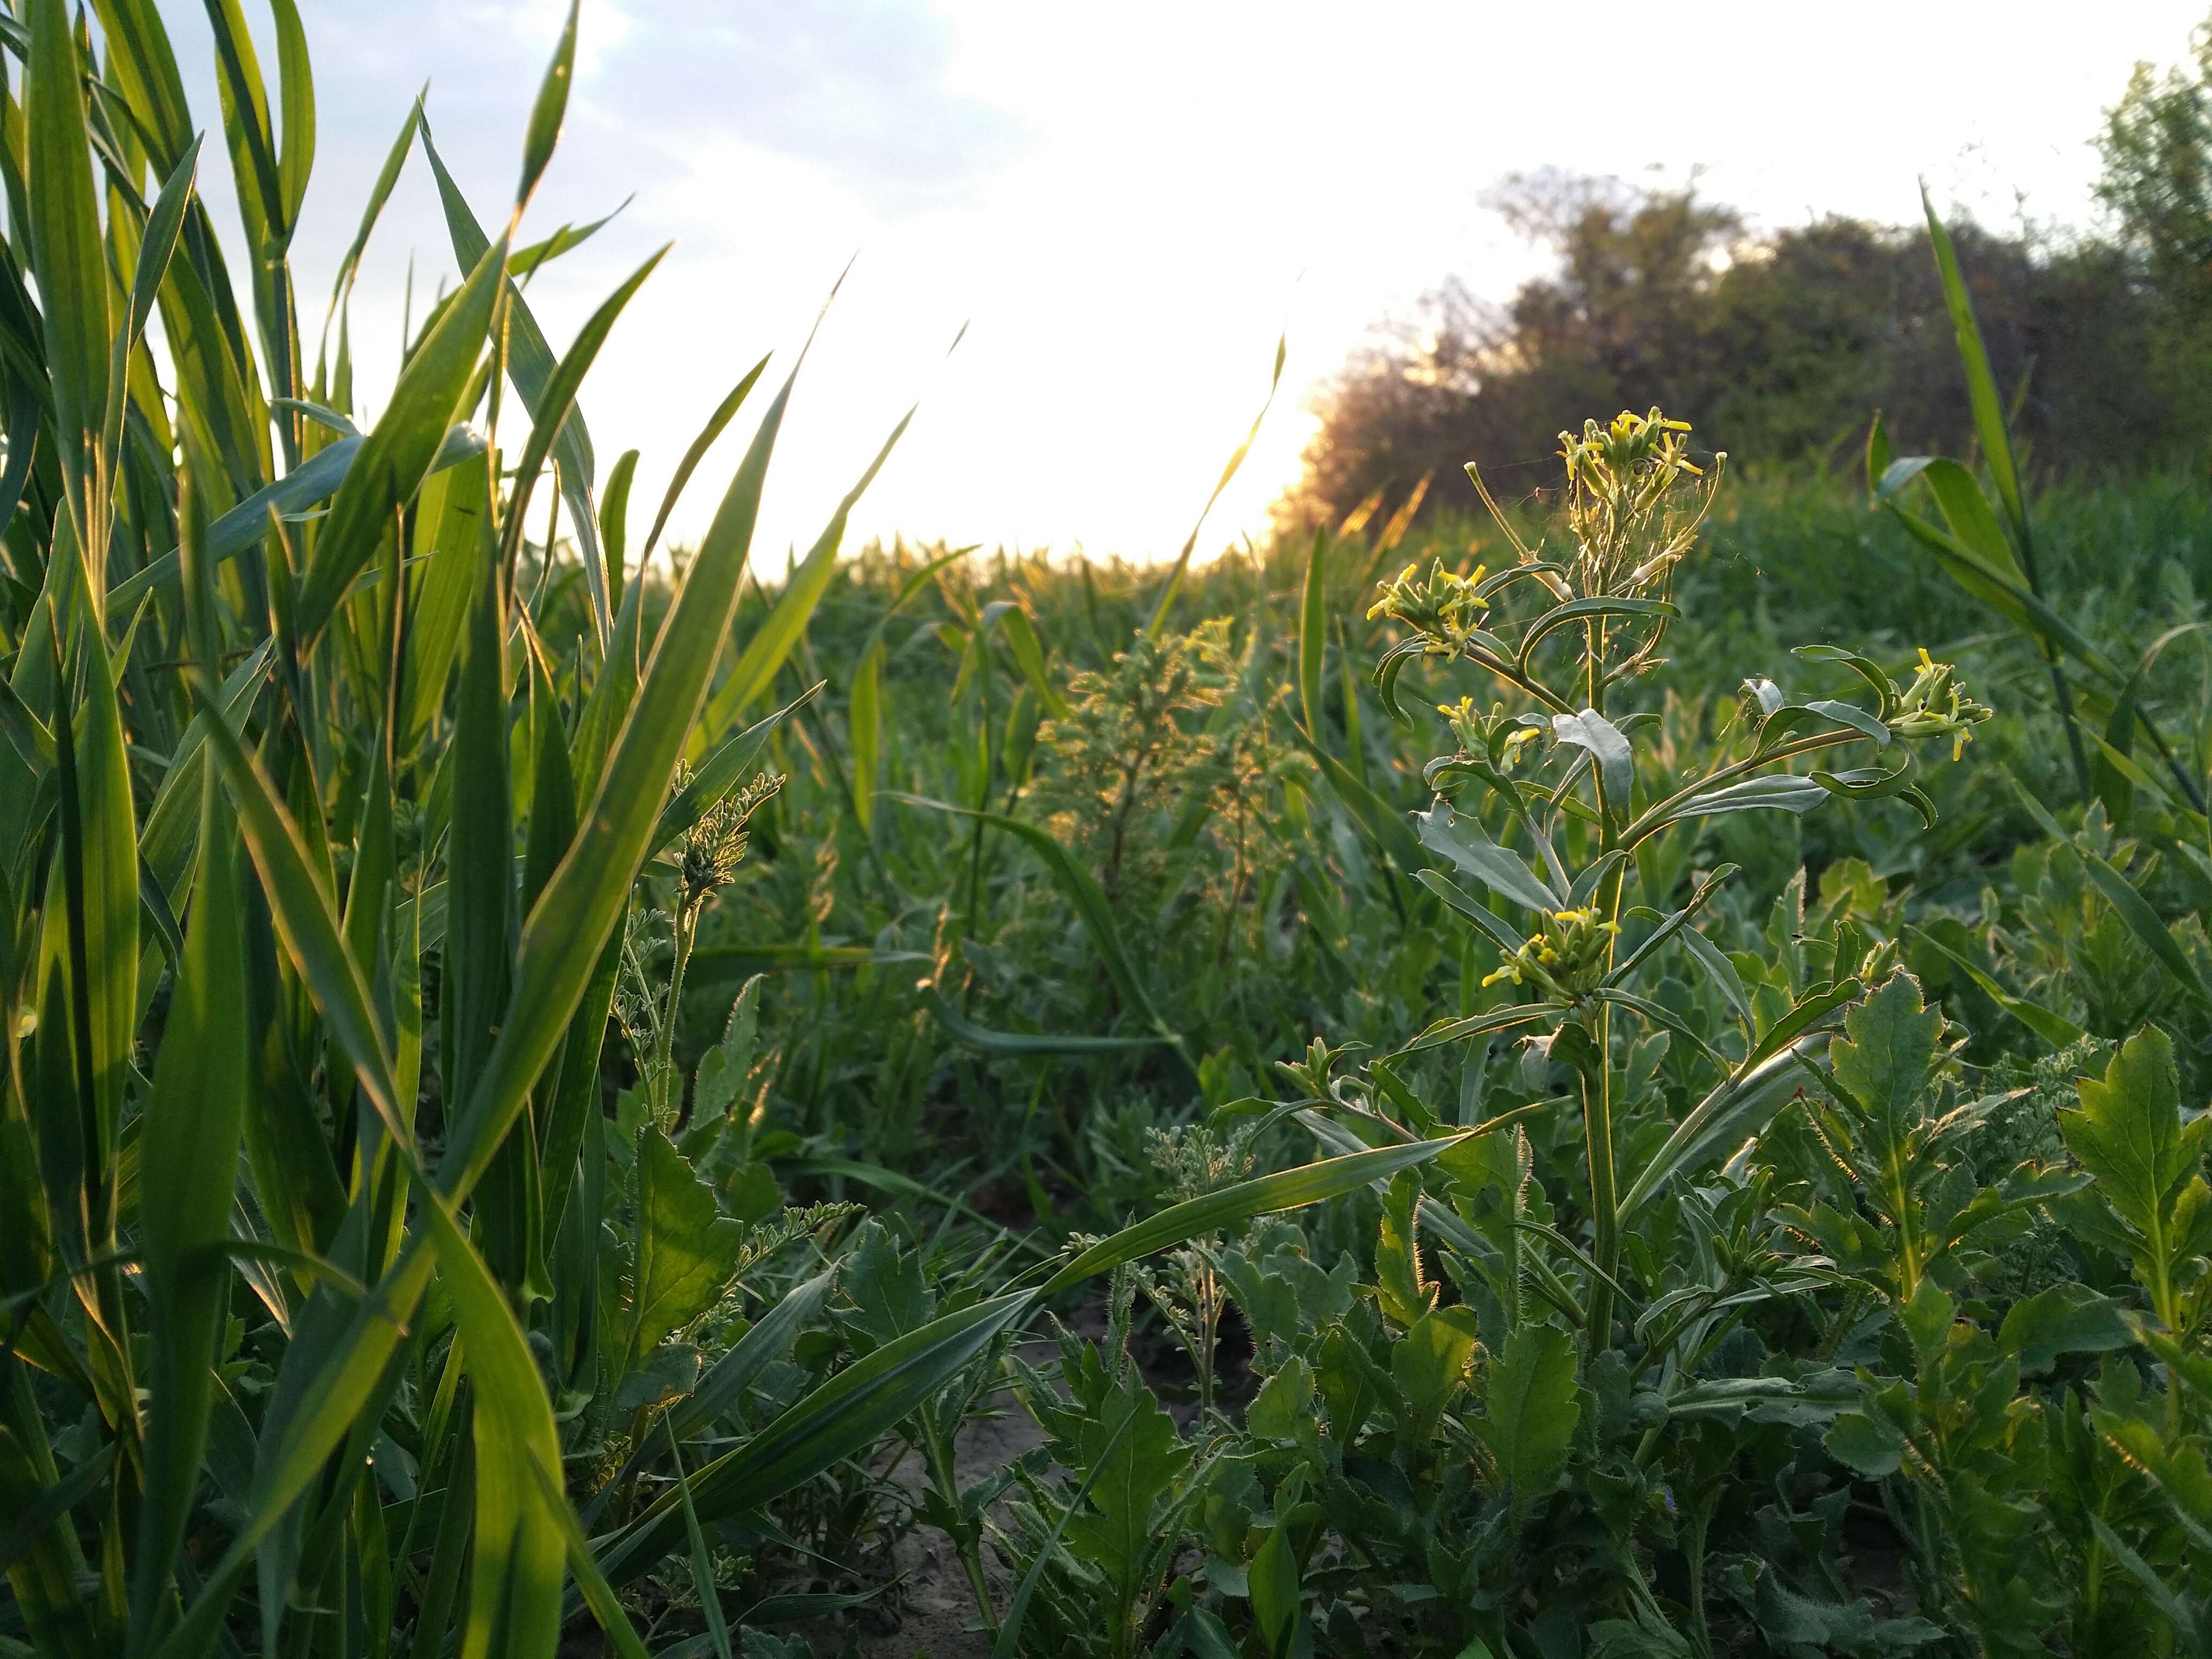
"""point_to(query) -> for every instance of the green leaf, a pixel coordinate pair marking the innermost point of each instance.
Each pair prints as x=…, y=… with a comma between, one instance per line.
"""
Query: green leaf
x=1402, y=1290
x=1718, y=968
x=1865, y=667
x=515, y=1566
x=1865, y=1442
x=1739, y=1106
x=704, y=1587
x=724, y=412
x=2128, y=1133
x=399, y=451
x=96, y=887
x=71, y=263
x=1495, y=1019
x=686, y=1250
x=2054, y=1029
x=560, y=395
x=1456, y=899
x=1082, y=888
x=864, y=722
x=885, y=1286
x=1886, y=1055
x=1784, y=792
x=530, y=366
x=295, y=84
x=2144, y=922
x=614, y=521
x=550, y=111
x=1966, y=510
x=1593, y=609
x=1010, y=1633
x=1981, y=384
x=1278, y=1603
x=1463, y=839
x=379, y=194
x=721, y=770
x=1616, y=763
x=1877, y=451
x=1028, y=652
x=1851, y=714
x=190, y=1134
x=1531, y=1410
x=723, y=1070
x=1116, y=1532
x=1313, y=637
x=2068, y=1318
x=774, y=641
x=156, y=243
x=1430, y=1362
x=1028, y=1043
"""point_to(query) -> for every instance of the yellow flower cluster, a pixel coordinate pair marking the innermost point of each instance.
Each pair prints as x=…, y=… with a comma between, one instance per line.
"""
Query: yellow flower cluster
x=1631, y=523
x=1935, y=705
x=1445, y=610
x=1567, y=957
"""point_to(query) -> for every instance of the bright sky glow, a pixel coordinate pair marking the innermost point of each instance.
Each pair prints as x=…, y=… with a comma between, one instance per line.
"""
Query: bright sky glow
x=1126, y=204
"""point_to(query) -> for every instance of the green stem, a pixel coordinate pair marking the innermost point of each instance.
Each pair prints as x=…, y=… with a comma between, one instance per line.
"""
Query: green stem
x=943, y=1473
x=1605, y=1199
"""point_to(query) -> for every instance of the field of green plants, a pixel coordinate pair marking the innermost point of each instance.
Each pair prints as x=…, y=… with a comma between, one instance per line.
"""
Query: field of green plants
x=1619, y=1073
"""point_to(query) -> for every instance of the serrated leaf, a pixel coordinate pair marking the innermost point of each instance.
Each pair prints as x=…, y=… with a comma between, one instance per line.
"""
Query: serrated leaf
x=1147, y=1456
x=1886, y=1055
x=1430, y=1362
x=1531, y=1410
x=2128, y=1134
x=1865, y=1444
x=2069, y=1317
x=722, y=1073
x=687, y=1250
x=885, y=1286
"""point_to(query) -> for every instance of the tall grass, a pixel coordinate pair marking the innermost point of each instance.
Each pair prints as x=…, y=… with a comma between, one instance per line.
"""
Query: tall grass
x=332, y=819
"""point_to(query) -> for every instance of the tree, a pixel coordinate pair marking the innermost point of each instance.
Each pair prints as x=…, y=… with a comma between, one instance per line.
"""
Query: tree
x=2157, y=150
x=1779, y=346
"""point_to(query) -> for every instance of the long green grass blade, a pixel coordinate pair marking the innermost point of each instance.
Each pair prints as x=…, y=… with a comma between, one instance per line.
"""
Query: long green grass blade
x=724, y=412
x=530, y=365
x=1083, y=889
x=1313, y=635
x=71, y=266
x=191, y=1131
x=399, y=451
x=551, y=110
x=772, y=644
x=585, y=899
x=1173, y=583
x=561, y=395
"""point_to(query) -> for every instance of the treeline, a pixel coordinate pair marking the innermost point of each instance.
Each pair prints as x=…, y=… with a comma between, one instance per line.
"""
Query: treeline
x=1780, y=344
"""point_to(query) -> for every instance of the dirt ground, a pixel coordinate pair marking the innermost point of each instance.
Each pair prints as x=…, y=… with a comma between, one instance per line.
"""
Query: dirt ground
x=939, y=1608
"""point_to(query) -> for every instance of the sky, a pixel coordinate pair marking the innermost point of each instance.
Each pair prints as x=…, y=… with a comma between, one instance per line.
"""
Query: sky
x=1124, y=206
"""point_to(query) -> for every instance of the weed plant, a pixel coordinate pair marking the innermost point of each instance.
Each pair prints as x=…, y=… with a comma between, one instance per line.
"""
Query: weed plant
x=538, y=1079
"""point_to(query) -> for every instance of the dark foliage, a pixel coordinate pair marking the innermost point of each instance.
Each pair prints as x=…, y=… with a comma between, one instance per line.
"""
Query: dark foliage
x=1779, y=342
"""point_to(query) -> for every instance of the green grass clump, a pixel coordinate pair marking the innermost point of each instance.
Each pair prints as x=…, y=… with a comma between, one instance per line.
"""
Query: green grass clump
x=537, y=1079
